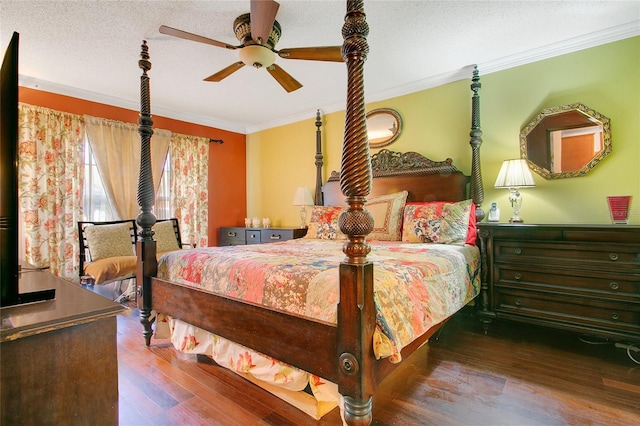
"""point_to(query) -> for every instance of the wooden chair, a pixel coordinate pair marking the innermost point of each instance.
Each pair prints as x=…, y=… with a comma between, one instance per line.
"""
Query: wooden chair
x=107, y=251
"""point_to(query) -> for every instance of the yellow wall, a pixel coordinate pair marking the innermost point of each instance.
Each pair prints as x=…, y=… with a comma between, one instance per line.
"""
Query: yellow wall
x=437, y=123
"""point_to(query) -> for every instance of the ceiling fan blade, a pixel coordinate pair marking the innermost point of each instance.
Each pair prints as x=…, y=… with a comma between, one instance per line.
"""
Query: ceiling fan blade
x=322, y=53
x=263, y=13
x=226, y=72
x=194, y=37
x=284, y=78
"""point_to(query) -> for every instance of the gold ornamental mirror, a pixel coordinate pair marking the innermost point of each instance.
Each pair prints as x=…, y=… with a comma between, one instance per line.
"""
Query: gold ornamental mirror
x=565, y=141
x=384, y=126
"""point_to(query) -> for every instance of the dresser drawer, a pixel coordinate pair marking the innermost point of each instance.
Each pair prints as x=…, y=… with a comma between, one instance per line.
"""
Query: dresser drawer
x=253, y=236
x=575, y=255
x=272, y=236
x=605, y=285
x=232, y=236
x=619, y=316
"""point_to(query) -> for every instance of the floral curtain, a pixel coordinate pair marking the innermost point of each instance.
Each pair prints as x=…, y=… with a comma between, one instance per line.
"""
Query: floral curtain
x=51, y=151
x=189, y=164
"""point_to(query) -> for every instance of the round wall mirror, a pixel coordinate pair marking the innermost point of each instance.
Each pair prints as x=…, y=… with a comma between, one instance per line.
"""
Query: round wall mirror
x=384, y=126
x=566, y=141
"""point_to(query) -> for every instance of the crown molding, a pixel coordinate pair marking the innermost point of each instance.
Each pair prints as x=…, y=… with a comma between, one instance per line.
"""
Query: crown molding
x=61, y=89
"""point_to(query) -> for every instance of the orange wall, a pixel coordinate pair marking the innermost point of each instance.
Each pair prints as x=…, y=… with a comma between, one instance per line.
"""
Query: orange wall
x=227, y=162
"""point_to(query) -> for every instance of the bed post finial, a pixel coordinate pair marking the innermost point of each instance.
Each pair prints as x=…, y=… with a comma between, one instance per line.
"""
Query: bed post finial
x=476, y=191
x=318, y=199
x=146, y=246
x=356, y=310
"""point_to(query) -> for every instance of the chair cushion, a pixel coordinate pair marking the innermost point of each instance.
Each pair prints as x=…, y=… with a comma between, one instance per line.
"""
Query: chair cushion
x=111, y=269
x=106, y=241
x=165, y=237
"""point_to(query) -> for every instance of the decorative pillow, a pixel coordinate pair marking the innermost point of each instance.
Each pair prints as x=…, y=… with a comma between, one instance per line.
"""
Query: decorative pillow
x=111, y=269
x=106, y=241
x=324, y=223
x=165, y=237
x=440, y=222
x=387, y=216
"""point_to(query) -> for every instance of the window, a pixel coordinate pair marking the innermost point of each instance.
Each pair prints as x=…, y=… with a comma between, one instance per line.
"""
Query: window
x=95, y=203
x=164, y=206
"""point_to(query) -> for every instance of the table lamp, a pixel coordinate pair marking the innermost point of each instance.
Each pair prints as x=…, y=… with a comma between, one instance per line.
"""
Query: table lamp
x=303, y=198
x=515, y=174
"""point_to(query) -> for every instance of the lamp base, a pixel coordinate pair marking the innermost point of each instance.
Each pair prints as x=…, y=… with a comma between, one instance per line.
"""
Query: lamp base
x=515, y=219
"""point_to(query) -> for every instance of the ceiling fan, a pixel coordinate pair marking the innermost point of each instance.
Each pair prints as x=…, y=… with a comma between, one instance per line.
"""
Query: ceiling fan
x=258, y=33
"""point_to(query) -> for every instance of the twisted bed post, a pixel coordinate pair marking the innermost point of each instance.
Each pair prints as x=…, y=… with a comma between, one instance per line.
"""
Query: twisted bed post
x=318, y=197
x=145, y=246
x=476, y=192
x=356, y=311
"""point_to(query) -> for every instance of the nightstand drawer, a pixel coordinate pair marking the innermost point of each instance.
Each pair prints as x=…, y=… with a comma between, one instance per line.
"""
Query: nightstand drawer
x=620, y=316
x=577, y=255
x=606, y=285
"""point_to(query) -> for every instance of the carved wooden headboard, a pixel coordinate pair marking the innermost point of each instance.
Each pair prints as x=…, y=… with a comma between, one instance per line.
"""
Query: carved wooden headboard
x=424, y=179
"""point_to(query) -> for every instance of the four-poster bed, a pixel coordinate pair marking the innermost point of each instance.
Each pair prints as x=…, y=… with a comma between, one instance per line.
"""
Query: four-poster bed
x=342, y=351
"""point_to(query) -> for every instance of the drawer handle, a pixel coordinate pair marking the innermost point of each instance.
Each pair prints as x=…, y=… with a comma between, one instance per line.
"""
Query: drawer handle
x=232, y=234
x=253, y=235
x=518, y=301
x=518, y=250
x=615, y=316
x=517, y=276
x=613, y=256
x=276, y=236
x=614, y=285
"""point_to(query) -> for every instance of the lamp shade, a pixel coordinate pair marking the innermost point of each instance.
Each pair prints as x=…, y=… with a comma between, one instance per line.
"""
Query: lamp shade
x=514, y=174
x=303, y=197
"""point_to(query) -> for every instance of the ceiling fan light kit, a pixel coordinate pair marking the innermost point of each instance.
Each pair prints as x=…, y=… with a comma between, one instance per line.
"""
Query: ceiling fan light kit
x=257, y=56
x=251, y=29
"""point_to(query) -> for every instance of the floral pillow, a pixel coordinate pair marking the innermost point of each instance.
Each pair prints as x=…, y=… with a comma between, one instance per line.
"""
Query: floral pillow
x=440, y=222
x=387, y=216
x=324, y=223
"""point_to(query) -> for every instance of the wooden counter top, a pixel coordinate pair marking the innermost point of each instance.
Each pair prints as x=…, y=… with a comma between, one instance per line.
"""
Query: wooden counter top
x=72, y=305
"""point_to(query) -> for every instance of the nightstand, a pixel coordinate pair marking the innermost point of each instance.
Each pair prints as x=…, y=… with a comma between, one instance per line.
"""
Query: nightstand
x=233, y=236
x=582, y=278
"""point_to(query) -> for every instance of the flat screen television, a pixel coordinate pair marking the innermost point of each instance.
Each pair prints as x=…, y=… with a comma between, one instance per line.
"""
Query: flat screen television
x=9, y=209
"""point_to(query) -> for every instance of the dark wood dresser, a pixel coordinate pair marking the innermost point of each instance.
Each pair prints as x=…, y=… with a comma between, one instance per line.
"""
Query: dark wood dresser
x=233, y=236
x=582, y=278
x=58, y=358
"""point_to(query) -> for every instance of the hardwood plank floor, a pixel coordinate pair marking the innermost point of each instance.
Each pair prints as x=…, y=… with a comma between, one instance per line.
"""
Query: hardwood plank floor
x=516, y=375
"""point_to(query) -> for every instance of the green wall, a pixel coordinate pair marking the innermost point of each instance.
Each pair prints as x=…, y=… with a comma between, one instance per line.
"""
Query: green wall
x=437, y=124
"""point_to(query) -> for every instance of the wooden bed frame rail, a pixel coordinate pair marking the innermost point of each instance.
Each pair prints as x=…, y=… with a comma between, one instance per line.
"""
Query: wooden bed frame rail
x=342, y=353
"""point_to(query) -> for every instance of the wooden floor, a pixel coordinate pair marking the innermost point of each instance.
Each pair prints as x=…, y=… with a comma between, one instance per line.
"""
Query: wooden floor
x=515, y=375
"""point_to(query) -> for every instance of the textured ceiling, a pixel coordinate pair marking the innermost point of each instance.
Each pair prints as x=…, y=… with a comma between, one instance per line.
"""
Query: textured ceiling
x=89, y=49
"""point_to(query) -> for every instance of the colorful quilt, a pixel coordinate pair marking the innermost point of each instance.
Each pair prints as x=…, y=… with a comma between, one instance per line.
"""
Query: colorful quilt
x=416, y=286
